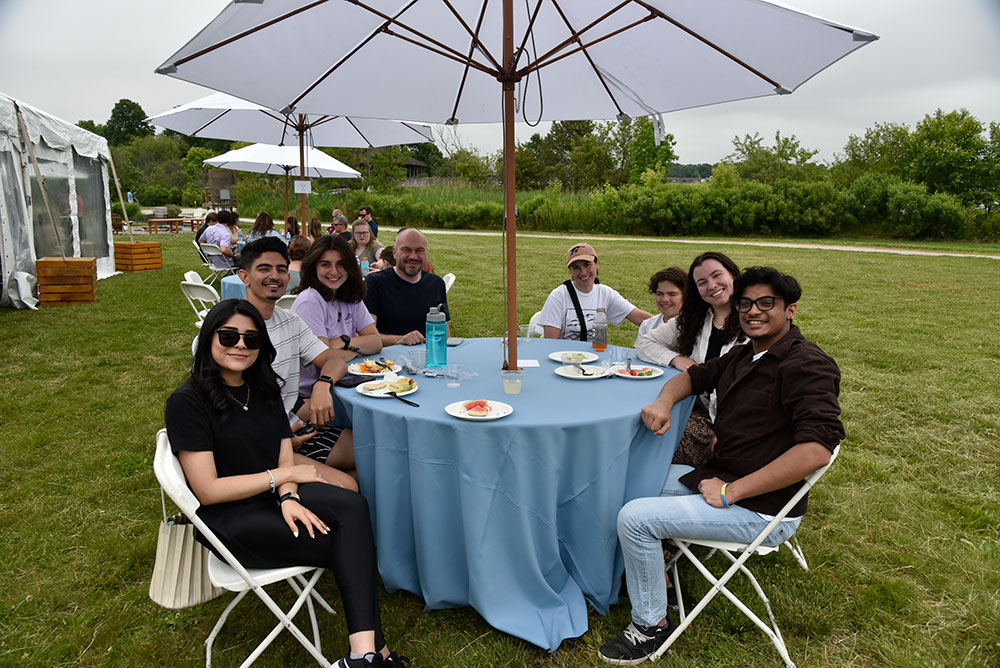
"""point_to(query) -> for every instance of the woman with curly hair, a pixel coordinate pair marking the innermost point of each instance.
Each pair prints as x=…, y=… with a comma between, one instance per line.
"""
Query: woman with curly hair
x=263, y=226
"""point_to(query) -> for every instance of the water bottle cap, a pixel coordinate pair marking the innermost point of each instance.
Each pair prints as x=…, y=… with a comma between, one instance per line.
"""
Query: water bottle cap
x=434, y=315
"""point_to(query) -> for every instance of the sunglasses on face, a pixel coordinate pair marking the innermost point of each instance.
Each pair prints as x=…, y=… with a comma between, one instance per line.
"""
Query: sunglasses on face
x=230, y=337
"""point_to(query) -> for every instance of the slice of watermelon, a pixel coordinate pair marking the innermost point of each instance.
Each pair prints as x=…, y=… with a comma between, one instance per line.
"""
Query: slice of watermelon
x=479, y=411
x=477, y=403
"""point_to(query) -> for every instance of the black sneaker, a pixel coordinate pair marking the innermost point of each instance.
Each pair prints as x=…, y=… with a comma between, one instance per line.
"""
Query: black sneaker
x=367, y=661
x=635, y=644
x=396, y=660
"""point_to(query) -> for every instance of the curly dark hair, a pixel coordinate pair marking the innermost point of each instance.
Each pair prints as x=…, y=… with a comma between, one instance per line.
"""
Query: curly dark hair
x=205, y=371
x=692, y=315
x=352, y=291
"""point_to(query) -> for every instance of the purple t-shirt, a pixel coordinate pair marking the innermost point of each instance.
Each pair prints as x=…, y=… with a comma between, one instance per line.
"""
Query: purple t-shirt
x=328, y=320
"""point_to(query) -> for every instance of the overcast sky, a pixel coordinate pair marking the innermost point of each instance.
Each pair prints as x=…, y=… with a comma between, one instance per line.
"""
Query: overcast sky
x=76, y=59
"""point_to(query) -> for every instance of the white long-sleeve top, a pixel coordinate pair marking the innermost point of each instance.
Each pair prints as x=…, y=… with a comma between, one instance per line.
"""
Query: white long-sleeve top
x=660, y=346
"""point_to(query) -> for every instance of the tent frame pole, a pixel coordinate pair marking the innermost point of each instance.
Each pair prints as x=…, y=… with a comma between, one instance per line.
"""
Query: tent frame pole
x=26, y=138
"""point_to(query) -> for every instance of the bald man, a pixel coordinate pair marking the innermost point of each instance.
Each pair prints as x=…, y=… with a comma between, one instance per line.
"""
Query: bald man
x=400, y=297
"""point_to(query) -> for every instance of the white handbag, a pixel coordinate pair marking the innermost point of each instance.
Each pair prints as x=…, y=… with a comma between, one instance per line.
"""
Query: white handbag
x=180, y=573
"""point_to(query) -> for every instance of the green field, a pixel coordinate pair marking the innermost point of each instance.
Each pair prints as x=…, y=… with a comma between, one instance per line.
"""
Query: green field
x=903, y=534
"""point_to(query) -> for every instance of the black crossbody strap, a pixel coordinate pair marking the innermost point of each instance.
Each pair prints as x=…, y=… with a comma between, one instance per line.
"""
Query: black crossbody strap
x=579, y=310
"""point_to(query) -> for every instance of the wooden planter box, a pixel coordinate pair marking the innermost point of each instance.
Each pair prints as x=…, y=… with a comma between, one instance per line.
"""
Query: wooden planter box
x=137, y=255
x=69, y=281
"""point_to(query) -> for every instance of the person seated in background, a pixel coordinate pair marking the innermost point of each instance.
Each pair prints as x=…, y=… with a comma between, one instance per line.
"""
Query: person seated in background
x=399, y=298
x=577, y=300
x=428, y=267
x=332, y=228
x=778, y=421
x=228, y=429
x=264, y=272
x=291, y=228
x=224, y=234
x=364, y=245
x=706, y=328
x=339, y=226
x=297, y=249
x=365, y=214
x=263, y=226
x=667, y=287
x=386, y=259
x=210, y=219
x=315, y=230
x=329, y=300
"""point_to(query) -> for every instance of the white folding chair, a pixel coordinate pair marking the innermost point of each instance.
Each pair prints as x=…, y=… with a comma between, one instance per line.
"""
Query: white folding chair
x=744, y=551
x=206, y=263
x=534, y=329
x=201, y=297
x=216, y=261
x=286, y=301
x=449, y=280
x=230, y=574
x=193, y=277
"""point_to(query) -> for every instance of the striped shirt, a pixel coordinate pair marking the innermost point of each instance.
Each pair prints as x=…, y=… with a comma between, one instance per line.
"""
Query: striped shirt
x=296, y=347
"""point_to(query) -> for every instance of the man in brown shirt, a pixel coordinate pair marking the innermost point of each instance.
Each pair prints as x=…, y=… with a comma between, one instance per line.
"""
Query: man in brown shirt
x=777, y=422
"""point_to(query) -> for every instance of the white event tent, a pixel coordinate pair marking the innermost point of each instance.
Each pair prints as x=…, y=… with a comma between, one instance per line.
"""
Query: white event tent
x=74, y=165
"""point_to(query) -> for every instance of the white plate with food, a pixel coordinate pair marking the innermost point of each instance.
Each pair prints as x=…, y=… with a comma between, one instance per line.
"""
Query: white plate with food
x=479, y=409
x=582, y=372
x=573, y=356
x=370, y=367
x=639, y=372
x=381, y=388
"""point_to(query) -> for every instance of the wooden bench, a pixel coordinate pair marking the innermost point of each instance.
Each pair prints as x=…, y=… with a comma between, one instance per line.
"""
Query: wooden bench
x=173, y=225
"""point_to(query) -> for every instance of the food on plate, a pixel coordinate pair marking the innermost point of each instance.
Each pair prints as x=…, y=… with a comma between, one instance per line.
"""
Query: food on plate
x=371, y=366
x=573, y=357
x=403, y=385
x=637, y=371
x=477, y=408
x=377, y=385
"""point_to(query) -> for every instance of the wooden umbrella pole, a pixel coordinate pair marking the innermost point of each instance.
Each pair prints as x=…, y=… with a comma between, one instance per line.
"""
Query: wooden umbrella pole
x=118, y=187
x=509, y=204
x=41, y=179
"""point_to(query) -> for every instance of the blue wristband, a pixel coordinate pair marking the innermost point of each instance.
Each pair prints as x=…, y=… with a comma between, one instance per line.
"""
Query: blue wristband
x=722, y=494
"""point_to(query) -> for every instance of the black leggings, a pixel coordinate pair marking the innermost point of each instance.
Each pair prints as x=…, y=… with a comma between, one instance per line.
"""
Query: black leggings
x=256, y=533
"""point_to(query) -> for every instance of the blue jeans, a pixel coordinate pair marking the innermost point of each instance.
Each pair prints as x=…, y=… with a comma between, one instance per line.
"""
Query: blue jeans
x=643, y=523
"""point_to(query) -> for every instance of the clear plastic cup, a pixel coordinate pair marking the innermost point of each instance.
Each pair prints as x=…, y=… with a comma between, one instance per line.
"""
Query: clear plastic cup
x=455, y=374
x=523, y=332
x=513, y=379
x=418, y=355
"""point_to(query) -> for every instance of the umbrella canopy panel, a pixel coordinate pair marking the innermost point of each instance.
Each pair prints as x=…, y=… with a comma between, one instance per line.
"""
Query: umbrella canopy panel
x=280, y=160
x=435, y=61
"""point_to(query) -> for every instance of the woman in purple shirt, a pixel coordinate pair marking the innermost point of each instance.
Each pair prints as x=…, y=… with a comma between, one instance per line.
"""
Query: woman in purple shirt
x=330, y=300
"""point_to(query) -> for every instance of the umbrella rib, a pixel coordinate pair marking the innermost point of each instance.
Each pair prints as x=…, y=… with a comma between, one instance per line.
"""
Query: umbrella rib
x=540, y=63
x=459, y=59
x=360, y=133
x=707, y=42
x=474, y=35
x=587, y=56
x=248, y=32
x=430, y=139
x=527, y=34
x=195, y=133
x=465, y=70
x=562, y=45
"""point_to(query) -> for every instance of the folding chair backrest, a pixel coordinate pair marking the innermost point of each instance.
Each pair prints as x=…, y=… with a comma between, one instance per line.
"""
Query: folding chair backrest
x=214, y=255
x=534, y=327
x=449, y=280
x=197, y=247
x=193, y=277
x=285, y=301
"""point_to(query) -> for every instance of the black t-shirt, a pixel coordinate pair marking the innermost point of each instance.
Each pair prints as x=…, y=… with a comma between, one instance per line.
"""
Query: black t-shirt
x=400, y=306
x=716, y=340
x=246, y=442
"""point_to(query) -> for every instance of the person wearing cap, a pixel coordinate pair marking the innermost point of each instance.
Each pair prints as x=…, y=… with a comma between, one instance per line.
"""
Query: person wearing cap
x=581, y=297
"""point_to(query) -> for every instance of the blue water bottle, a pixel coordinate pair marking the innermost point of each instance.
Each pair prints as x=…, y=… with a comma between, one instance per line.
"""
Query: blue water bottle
x=437, y=338
x=364, y=266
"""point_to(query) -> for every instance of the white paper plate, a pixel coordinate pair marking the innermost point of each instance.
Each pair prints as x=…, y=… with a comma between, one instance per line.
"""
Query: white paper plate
x=356, y=370
x=383, y=393
x=586, y=359
x=617, y=370
x=500, y=409
x=574, y=373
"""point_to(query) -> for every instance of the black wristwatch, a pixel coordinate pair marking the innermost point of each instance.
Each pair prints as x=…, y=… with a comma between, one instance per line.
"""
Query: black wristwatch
x=288, y=495
x=347, y=344
x=326, y=379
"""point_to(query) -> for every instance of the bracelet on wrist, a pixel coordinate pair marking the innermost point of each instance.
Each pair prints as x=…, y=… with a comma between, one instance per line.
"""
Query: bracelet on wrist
x=270, y=479
x=288, y=495
x=722, y=494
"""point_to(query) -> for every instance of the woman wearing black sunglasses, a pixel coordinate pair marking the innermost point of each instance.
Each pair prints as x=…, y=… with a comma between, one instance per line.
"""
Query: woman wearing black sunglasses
x=228, y=427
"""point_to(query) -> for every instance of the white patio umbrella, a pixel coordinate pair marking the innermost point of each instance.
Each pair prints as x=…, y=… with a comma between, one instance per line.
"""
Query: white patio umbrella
x=450, y=60
x=221, y=116
x=271, y=159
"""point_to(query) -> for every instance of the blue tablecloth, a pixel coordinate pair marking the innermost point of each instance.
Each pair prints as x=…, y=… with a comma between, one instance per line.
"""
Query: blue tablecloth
x=233, y=288
x=515, y=517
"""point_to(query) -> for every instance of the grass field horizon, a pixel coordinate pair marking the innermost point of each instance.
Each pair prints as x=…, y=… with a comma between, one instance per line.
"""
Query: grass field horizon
x=902, y=535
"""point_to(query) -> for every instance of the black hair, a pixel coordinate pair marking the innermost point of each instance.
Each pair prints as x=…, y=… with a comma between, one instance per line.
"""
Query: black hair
x=352, y=291
x=292, y=226
x=205, y=371
x=224, y=217
x=692, y=315
x=253, y=250
x=784, y=286
x=675, y=275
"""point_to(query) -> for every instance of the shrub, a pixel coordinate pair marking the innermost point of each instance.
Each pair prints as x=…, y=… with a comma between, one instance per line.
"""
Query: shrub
x=134, y=212
x=173, y=211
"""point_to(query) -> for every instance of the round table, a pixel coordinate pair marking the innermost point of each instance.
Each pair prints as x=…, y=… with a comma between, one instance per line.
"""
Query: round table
x=516, y=516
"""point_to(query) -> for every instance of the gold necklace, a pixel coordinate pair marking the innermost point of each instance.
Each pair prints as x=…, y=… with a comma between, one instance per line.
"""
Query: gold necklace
x=243, y=405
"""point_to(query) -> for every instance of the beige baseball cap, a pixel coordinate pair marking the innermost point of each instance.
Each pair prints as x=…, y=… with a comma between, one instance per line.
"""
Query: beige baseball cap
x=580, y=252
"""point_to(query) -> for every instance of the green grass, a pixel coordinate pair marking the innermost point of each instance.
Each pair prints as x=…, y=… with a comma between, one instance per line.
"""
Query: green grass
x=903, y=535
